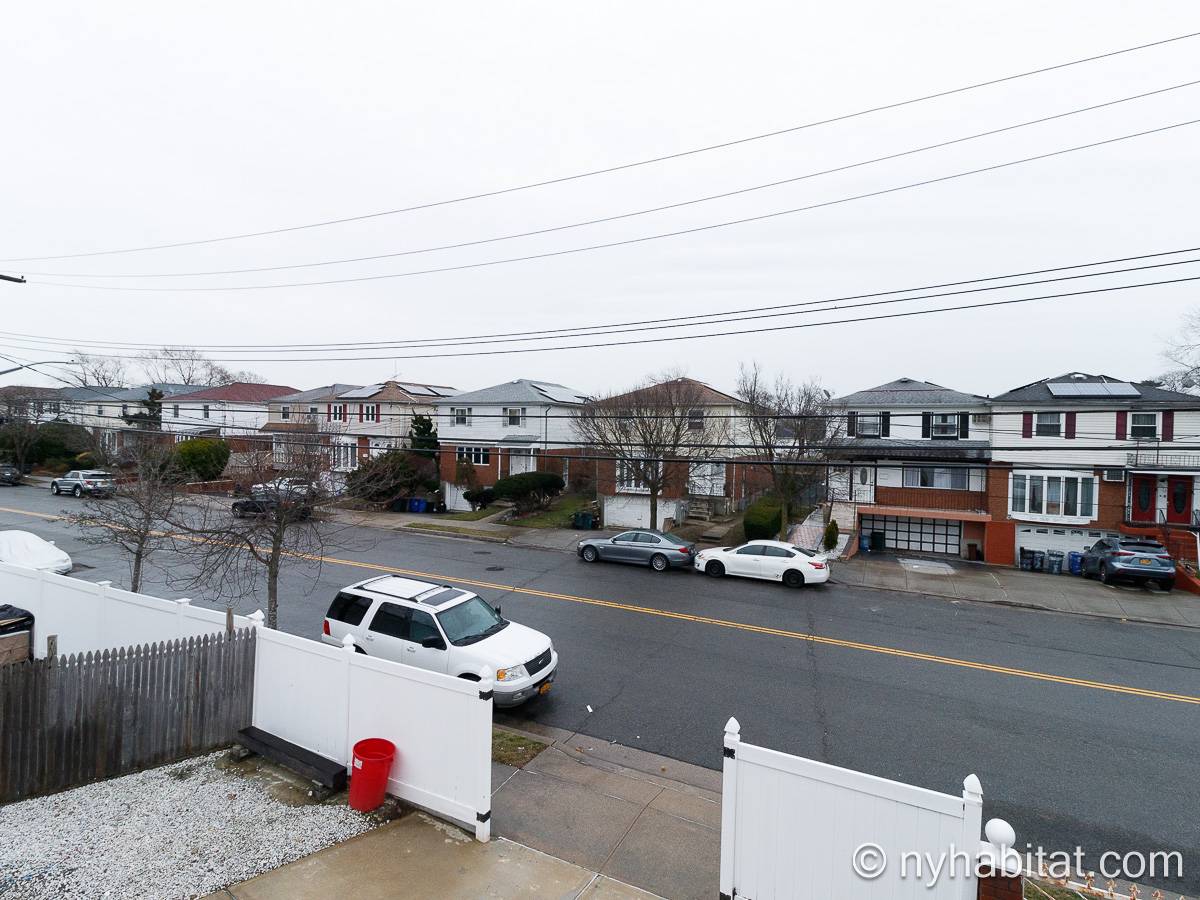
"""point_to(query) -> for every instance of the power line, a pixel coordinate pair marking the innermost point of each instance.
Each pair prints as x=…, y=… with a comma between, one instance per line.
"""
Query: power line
x=732, y=316
x=627, y=215
x=645, y=238
x=563, y=332
x=617, y=168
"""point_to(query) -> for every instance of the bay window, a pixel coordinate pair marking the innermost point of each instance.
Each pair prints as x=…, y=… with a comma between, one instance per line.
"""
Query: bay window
x=1062, y=495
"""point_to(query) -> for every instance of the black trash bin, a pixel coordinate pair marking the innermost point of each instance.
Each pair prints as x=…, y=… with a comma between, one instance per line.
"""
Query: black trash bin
x=1026, y=559
x=1054, y=562
x=878, y=542
x=1039, y=560
x=16, y=634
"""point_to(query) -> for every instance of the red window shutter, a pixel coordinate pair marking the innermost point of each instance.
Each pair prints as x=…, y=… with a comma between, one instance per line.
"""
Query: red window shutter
x=1070, y=427
x=1027, y=425
x=1168, y=425
x=360, y=406
x=1122, y=425
x=328, y=412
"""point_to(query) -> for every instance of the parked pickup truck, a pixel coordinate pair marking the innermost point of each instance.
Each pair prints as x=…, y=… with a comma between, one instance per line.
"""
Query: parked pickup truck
x=442, y=629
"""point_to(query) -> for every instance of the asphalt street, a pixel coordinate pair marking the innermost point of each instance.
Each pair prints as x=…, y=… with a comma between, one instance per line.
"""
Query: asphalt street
x=1082, y=731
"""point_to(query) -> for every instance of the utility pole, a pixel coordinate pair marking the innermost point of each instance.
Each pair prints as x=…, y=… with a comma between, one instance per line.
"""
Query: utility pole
x=19, y=279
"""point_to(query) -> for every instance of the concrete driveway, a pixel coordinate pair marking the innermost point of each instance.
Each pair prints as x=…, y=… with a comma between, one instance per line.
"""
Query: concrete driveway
x=963, y=580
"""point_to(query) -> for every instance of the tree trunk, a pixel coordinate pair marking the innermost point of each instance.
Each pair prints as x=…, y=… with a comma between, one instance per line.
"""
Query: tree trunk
x=654, y=507
x=785, y=516
x=273, y=584
x=135, y=570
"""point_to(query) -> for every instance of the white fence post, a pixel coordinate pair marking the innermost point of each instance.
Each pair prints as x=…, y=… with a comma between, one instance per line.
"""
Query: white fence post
x=181, y=607
x=348, y=653
x=729, y=778
x=972, y=826
x=483, y=815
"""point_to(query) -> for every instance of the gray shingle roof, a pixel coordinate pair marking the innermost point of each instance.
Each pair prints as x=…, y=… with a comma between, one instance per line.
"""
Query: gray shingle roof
x=328, y=391
x=910, y=392
x=523, y=390
x=91, y=393
x=1039, y=392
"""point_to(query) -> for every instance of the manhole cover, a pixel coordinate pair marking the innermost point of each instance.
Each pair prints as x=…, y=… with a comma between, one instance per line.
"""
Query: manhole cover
x=495, y=568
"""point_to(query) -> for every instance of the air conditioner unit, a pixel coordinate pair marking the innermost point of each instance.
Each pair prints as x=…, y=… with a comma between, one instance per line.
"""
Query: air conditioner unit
x=1114, y=474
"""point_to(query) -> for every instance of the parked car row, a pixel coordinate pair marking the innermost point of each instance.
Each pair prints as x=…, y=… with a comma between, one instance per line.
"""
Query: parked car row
x=769, y=560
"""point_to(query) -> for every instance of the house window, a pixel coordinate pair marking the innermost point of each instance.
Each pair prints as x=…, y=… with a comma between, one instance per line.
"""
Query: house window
x=100, y=410
x=204, y=411
x=951, y=479
x=337, y=412
x=124, y=410
x=461, y=415
x=695, y=420
x=345, y=456
x=175, y=411
x=312, y=412
x=285, y=412
x=480, y=456
x=944, y=425
x=1048, y=425
x=370, y=412
x=40, y=407
x=630, y=475
x=1053, y=495
x=55, y=408
x=514, y=417
x=867, y=426
x=1143, y=426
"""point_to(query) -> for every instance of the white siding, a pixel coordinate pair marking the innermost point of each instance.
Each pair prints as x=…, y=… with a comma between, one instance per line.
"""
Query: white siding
x=905, y=423
x=633, y=511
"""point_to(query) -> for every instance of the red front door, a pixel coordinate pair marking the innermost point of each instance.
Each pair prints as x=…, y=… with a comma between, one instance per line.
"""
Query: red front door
x=1179, y=499
x=1145, y=492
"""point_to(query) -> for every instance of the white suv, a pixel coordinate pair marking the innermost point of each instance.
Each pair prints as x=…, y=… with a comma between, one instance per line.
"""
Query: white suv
x=443, y=629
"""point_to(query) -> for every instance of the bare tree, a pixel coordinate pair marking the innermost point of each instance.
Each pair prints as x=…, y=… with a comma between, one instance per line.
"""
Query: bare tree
x=654, y=432
x=97, y=371
x=234, y=552
x=137, y=519
x=18, y=424
x=183, y=365
x=1183, y=356
x=789, y=428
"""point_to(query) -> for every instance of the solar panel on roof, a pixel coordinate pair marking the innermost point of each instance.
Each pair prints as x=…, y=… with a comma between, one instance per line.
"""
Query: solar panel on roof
x=558, y=394
x=1093, y=389
x=362, y=392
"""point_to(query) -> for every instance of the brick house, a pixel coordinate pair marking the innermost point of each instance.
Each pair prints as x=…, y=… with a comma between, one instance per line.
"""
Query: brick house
x=377, y=417
x=297, y=418
x=913, y=472
x=1078, y=457
x=505, y=429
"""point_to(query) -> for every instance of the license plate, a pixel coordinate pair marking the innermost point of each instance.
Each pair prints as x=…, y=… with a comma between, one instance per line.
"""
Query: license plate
x=544, y=689
x=1144, y=562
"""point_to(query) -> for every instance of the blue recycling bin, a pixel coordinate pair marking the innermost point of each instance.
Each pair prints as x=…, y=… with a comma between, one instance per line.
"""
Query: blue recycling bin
x=1075, y=562
x=416, y=505
x=864, y=542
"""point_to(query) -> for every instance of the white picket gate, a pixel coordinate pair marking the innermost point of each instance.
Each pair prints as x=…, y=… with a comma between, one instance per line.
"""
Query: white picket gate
x=791, y=828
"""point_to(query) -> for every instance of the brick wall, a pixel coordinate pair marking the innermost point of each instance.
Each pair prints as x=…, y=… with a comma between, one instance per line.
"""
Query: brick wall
x=448, y=463
x=1000, y=887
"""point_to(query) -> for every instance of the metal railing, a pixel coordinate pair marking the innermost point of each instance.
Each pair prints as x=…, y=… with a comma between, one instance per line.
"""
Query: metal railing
x=1156, y=457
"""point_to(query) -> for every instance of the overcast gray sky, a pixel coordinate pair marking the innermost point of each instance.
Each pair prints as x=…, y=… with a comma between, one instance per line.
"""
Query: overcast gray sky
x=128, y=124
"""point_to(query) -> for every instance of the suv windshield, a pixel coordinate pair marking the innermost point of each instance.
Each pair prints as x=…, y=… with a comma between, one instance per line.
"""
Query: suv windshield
x=470, y=622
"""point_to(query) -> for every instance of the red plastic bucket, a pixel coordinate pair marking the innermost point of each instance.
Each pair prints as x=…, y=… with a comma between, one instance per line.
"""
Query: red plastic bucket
x=369, y=772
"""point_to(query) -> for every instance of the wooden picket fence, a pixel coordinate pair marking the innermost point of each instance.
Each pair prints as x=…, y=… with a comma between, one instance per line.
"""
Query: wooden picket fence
x=70, y=720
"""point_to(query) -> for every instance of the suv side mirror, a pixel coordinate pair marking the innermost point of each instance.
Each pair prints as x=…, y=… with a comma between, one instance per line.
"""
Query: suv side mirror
x=498, y=610
x=433, y=643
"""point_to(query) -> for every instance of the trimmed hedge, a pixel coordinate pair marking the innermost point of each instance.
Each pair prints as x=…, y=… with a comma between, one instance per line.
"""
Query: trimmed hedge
x=763, y=519
x=529, y=490
x=202, y=458
x=480, y=499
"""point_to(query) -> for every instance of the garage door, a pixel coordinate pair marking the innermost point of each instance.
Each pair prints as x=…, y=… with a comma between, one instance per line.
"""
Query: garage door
x=1048, y=537
x=928, y=535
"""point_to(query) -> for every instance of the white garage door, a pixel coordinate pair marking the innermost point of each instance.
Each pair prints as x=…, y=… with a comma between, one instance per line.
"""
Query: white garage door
x=1050, y=537
x=928, y=535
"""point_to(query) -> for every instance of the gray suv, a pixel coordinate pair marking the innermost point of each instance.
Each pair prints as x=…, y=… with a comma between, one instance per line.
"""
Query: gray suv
x=1136, y=559
x=82, y=481
x=9, y=474
x=657, y=549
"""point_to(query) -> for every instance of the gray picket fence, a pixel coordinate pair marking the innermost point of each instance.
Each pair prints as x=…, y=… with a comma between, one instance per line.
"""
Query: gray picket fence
x=70, y=720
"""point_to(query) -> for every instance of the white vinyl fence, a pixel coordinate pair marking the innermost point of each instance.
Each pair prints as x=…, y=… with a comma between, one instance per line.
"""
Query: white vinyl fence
x=319, y=697
x=797, y=829
x=87, y=616
x=326, y=698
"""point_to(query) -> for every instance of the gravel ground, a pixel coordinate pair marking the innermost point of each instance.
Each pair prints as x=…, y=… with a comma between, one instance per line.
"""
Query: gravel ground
x=182, y=830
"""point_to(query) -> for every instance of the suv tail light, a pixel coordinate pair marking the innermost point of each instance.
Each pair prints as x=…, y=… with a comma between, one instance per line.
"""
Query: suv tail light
x=325, y=627
x=1123, y=553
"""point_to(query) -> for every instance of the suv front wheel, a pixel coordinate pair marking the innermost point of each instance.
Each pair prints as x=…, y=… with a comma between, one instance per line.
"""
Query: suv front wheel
x=54, y=488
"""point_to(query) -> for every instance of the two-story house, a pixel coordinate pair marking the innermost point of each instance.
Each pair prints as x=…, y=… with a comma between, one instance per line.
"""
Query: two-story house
x=913, y=469
x=377, y=418
x=1078, y=457
x=104, y=410
x=503, y=430
x=301, y=420
x=236, y=410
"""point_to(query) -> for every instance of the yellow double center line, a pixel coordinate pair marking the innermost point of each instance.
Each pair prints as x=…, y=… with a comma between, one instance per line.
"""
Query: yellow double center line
x=742, y=626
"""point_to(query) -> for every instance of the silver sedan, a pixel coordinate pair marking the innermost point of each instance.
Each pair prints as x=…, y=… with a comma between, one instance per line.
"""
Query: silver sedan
x=657, y=549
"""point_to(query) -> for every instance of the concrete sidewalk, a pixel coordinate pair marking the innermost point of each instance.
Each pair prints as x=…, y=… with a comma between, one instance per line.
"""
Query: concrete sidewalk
x=1034, y=590
x=583, y=819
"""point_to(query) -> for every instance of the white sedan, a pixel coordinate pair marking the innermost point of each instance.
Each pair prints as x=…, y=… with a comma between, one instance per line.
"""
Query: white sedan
x=23, y=548
x=772, y=560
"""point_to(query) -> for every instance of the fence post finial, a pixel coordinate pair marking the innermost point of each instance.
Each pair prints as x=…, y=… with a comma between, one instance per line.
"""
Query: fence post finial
x=348, y=642
x=972, y=789
x=257, y=618
x=733, y=727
